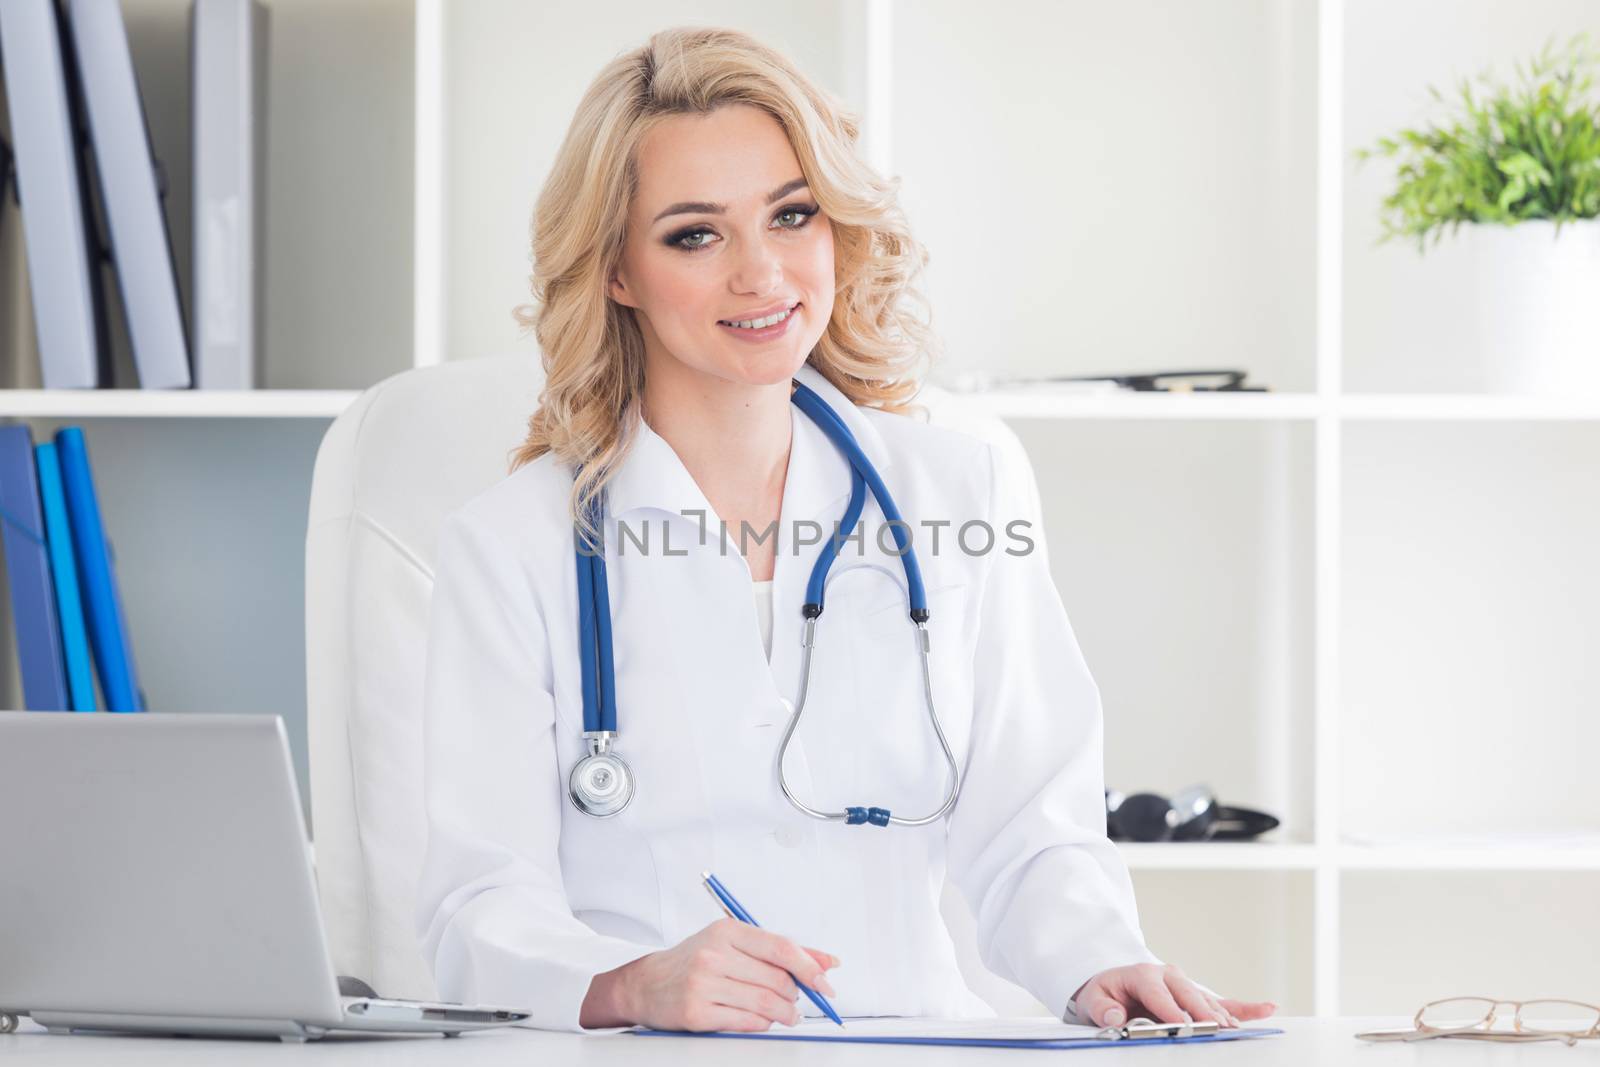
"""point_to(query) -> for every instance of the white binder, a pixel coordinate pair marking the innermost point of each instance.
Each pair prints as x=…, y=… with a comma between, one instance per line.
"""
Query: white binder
x=60, y=255
x=228, y=122
x=140, y=243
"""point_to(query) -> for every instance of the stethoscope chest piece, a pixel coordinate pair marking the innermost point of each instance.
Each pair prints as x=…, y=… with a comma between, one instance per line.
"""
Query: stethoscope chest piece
x=601, y=783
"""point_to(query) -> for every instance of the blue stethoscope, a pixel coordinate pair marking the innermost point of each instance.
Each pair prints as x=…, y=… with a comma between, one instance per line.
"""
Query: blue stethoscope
x=601, y=784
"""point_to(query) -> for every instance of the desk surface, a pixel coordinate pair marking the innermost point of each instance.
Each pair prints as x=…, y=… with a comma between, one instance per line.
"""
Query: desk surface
x=1308, y=1041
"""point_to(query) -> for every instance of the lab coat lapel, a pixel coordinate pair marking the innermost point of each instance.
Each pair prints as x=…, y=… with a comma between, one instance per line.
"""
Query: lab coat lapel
x=652, y=479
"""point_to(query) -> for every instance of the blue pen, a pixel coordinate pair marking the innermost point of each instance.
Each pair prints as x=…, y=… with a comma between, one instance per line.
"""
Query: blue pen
x=735, y=909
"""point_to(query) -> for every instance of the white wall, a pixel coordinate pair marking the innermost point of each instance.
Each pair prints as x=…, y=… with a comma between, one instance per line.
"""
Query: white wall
x=1183, y=554
x=1113, y=187
x=1472, y=616
x=514, y=73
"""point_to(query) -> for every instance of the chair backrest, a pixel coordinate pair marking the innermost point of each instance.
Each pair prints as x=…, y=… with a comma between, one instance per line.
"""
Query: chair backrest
x=408, y=452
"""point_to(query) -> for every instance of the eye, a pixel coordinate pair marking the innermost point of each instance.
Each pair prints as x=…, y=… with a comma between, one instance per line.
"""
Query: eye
x=685, y=239
x=802, y=212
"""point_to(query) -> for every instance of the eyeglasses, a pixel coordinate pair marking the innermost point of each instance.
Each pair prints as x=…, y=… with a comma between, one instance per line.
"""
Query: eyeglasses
x=1474, y=1018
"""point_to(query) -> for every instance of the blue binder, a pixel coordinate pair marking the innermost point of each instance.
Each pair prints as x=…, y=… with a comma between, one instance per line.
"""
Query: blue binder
x=64, y=565
x=33, y=595
x=108, y=637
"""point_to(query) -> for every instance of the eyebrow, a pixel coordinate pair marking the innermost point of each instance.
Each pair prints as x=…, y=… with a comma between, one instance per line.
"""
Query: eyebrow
x=706, y=207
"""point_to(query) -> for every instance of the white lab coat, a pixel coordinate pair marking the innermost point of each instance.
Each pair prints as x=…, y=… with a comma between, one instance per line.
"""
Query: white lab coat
x=523, y=899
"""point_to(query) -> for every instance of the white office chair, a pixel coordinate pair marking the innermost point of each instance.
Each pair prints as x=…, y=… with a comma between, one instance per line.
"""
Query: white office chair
x=409, y=451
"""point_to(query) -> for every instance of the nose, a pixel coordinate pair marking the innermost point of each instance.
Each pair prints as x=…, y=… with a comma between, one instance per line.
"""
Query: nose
x=758, y=270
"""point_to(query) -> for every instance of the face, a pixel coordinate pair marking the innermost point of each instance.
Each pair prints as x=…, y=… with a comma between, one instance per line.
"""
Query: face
x=724, y=230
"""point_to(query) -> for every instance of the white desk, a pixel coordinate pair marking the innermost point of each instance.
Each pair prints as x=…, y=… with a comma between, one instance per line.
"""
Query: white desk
x=1308, y=1041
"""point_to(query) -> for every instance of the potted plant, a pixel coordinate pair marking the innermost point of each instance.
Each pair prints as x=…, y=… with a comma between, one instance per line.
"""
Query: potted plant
x=1522, y=164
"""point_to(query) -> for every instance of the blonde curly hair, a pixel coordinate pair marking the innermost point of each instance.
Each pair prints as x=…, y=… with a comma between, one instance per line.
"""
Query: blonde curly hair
x=875, y=349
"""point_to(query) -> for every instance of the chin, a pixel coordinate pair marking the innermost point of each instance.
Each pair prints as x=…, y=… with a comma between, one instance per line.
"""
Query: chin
x=766, y=368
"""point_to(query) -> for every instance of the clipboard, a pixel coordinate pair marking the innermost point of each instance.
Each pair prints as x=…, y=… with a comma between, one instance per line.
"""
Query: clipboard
x=1039, y=1033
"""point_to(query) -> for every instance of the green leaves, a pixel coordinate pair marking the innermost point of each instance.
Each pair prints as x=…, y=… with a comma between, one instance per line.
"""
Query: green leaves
x=1522, y=171
x=1524, y=151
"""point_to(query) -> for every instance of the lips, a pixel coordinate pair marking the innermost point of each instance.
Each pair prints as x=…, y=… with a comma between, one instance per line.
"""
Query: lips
x=763, y=313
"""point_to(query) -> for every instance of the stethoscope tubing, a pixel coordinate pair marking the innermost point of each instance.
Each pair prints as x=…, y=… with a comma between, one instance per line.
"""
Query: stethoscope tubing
x=885, y=818
x=833, y=426
x=594, y=656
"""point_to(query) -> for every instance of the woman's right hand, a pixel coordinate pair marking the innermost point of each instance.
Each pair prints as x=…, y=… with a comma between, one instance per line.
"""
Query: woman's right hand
x=728, y=976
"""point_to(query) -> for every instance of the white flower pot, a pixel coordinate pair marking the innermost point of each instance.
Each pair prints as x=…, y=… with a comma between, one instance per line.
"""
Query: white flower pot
x=1536, y=305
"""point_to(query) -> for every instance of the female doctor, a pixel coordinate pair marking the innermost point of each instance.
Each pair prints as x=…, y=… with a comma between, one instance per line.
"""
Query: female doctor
x=711, y=260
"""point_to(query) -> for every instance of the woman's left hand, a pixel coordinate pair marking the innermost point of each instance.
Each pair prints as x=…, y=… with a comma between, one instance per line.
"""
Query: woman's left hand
x=1159, y=992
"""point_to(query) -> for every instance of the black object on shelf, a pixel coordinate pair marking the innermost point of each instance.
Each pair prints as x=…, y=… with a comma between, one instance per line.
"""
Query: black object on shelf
x=1177, y=381
x=1191, y=815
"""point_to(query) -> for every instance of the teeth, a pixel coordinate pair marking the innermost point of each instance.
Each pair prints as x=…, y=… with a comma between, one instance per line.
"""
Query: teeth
x=760, y=324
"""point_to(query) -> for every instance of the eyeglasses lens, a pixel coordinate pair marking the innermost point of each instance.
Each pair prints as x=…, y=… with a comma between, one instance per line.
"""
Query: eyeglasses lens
x=1559, y=1016
x=1537, y=1017
x=1460, y=1014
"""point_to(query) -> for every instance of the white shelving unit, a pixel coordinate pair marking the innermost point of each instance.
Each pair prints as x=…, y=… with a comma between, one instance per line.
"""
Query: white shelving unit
x=1331, y=415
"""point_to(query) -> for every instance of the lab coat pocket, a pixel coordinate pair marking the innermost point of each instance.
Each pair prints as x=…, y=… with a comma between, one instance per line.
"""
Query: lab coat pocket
x=867, y=712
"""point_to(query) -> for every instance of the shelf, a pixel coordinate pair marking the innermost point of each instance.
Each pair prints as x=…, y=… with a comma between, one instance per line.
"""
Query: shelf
x=175, y=403
x=1022, y=403
x=1245, y=856
x=1467, y=406
x=1218, y=856
x=1446, y=858
x=1042, y=402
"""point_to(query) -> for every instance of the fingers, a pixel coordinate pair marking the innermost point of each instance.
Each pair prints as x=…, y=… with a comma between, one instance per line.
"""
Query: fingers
x=1192, y=1000
x=1216, y=1003
x=754, y=999
x=746, y=968
x=1151, y=989
x=1249, y=1009
x=720, y=1017
x=780, y=952
x=826, y=960
x=1162, y=993
x=1099, y=1007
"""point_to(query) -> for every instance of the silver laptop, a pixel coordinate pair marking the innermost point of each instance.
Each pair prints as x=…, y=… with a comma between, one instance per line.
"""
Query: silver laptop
x=156, y=877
